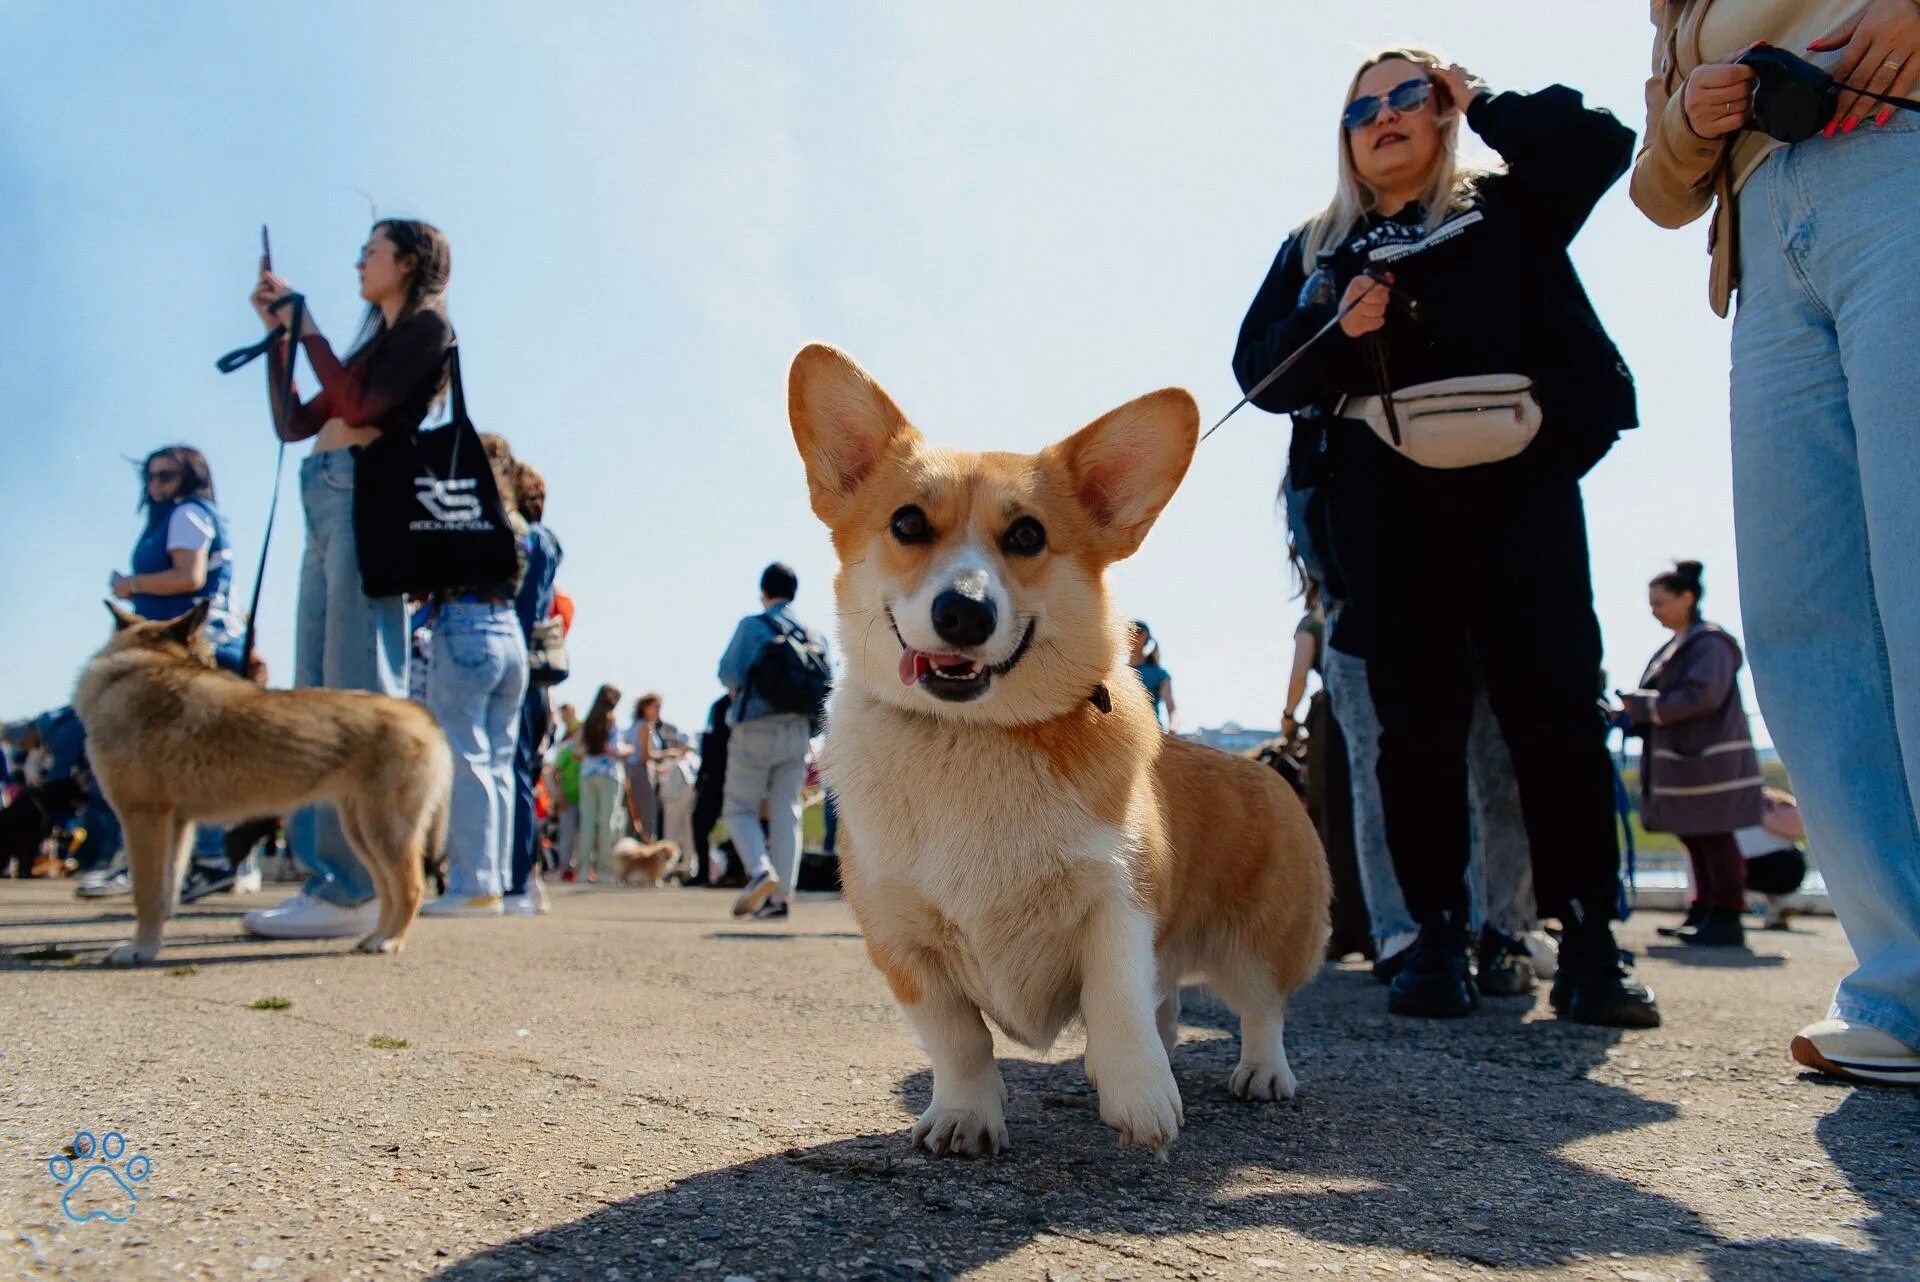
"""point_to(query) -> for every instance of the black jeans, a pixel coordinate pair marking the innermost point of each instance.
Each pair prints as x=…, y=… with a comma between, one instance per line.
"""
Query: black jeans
x=1443, y=567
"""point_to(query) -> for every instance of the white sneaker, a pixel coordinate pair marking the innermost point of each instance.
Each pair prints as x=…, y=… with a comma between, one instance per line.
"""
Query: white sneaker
x=307, y=917
x=463, y=906
x=1857, y=1052
x=758, y=891
x=1545, y=953
x=104, y=885
x=248, y=880
x=531, y=904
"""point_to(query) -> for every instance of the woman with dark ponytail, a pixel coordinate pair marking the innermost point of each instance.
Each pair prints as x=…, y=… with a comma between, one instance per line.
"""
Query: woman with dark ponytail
x=1699, y=775
x=344, y=639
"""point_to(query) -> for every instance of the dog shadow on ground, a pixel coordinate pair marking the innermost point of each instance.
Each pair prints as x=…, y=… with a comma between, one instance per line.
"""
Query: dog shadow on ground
x=1442, y=1139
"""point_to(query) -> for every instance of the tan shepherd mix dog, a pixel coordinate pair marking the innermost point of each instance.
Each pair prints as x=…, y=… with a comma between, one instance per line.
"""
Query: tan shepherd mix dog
x=1026, y=843
x=175, y=741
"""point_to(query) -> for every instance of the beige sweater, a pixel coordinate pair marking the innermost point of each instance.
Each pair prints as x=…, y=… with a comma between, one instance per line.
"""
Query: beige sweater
x=1679, y=175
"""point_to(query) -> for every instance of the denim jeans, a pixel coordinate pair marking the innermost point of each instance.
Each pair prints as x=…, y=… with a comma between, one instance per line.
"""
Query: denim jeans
x=343, y=640
x=1826, y=491
x=536, y=715
x=767, y=762
x=1500, y=869
x=477, y=681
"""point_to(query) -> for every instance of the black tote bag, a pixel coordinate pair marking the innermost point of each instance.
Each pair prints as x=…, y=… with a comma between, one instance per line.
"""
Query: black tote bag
x=427, y=515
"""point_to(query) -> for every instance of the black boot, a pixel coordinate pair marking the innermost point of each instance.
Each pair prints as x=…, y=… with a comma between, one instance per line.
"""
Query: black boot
x=1592, y=985
x=1720, y=929
x=1696, y=913
x=1505, y=967
x=1437, y=981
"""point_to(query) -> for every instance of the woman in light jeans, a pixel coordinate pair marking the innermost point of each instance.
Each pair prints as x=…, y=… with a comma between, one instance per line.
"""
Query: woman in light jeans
x=344, y=639
x=476, y=682
x=1822, y=239
x=602, y=783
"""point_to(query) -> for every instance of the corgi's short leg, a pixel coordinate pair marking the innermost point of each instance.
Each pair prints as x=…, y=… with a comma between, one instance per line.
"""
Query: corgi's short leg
x=1262, y=1072
x=1167, y=1019
x=968, y=1112
x=1126, y=1060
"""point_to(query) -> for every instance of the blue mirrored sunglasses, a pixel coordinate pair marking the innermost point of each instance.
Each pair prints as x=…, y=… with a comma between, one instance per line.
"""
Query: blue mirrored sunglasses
x=1408, y=95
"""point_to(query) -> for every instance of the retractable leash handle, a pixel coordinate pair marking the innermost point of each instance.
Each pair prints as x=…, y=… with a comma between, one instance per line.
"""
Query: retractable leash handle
x=1293, y=358
x=237, y=359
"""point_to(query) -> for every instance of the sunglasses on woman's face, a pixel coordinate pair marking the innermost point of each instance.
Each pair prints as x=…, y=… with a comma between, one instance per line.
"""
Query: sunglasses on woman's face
x=167, y=474
x=1408, y=95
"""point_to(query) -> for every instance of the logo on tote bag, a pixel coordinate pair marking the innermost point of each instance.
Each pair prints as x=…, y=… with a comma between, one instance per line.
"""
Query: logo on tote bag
x=452, y=504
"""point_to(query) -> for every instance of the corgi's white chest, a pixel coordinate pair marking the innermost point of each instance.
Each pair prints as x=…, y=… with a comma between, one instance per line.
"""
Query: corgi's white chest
x=980, y=829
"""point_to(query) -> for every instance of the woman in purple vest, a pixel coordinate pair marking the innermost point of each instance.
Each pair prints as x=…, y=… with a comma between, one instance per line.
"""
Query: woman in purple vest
x=1699, y=776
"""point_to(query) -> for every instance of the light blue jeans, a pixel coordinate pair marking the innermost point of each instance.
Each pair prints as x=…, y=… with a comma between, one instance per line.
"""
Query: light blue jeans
x=343, y=640
x=1500, y=865
x=1826, y=492
x=476, y=681
x=767, y=762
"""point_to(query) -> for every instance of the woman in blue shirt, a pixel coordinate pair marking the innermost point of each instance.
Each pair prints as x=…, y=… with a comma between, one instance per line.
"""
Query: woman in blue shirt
x=183, y=556
x=1145, y=658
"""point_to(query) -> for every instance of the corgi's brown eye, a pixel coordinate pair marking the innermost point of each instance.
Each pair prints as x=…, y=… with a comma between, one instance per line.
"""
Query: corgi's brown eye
x=1025, y=537
x=909, y=525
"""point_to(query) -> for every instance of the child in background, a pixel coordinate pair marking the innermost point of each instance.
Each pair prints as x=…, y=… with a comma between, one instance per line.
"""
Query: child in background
x=1776, y=865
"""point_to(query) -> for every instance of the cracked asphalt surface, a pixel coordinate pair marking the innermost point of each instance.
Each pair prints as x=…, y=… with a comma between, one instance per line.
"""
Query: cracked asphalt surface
x=639, y=1087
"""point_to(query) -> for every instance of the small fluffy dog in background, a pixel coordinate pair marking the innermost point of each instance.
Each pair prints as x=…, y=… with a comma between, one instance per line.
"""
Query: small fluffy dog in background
x=647, y=861
x=1026, y=845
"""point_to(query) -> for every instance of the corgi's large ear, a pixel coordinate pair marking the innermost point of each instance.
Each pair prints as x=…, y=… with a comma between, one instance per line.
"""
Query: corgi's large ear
x=123, y=618
x=1126, y=465
x=842, y=422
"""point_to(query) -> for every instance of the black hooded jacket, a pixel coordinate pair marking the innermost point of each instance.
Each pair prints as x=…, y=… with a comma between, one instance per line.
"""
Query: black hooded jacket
x=1495, y=289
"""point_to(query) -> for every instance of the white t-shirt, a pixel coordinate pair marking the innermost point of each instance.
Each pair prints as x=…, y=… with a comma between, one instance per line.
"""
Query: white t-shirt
x=189, y=529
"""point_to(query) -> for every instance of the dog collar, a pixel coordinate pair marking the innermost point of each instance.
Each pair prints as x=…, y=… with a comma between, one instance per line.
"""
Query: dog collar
x=1101, y=699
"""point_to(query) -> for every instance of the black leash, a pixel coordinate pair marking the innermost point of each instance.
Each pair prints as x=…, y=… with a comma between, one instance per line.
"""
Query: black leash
x=1300, y=351
x=239, y=358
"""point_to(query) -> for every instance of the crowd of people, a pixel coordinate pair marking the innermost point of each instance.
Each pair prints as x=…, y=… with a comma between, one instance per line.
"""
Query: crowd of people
x=1450, y=385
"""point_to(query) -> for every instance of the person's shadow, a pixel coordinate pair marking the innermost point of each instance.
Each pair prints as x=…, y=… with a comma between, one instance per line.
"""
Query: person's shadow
x=1874, y=1138
x=1409, y=1135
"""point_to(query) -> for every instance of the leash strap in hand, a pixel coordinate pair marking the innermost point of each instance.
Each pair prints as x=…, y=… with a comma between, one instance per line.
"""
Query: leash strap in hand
x=237, y=359
x=1298, y=352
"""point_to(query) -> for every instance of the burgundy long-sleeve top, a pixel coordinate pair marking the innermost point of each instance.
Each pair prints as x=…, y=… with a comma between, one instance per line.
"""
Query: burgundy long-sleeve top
x=392, y=388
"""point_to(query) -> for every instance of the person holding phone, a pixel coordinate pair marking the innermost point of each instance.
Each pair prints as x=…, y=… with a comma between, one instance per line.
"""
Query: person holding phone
x=344, y=640
x=1820, y=239
x=1448, y=423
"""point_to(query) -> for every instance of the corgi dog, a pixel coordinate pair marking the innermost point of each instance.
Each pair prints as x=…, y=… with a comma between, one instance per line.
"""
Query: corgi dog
x=1022, y=843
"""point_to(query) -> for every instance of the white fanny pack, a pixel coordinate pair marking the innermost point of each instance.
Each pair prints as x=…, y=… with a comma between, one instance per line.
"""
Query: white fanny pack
x=1455, y=422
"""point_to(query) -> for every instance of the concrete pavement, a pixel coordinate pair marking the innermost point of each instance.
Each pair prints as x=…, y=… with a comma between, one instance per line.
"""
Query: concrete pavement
x=638, y=1086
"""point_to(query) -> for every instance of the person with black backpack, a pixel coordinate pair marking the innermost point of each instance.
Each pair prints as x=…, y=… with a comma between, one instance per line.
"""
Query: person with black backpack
x=777, y=672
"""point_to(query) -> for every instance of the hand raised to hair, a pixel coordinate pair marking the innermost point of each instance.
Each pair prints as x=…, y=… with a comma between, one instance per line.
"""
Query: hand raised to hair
x=1462, y=86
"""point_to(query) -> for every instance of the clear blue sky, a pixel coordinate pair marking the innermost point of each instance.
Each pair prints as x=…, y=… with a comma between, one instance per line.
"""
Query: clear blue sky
x=1017, y=216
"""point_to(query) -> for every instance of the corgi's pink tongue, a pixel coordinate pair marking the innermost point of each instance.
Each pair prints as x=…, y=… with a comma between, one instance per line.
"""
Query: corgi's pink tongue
x=915, y=663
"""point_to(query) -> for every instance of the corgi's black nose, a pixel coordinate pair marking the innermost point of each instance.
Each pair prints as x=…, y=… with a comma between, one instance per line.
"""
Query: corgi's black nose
x=961, y=620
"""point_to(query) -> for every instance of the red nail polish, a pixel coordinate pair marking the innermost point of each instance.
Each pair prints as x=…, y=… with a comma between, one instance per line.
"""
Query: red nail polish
x=1851, y=122
x=1886, y=114
x=1828, y=131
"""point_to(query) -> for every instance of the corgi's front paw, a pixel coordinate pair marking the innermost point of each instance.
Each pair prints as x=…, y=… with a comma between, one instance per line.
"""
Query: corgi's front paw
x=131, y=954
x=1252, y=1080
x=972, y=1123
x=1139, y=1098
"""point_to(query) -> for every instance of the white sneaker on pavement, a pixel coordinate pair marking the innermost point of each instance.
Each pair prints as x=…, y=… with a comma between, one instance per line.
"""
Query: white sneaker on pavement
x=1857, y=1052
x=104, y=885
x=307, y=917
x=463, y=906
x=533, y=902
x=248, y=880
x=758, y=891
